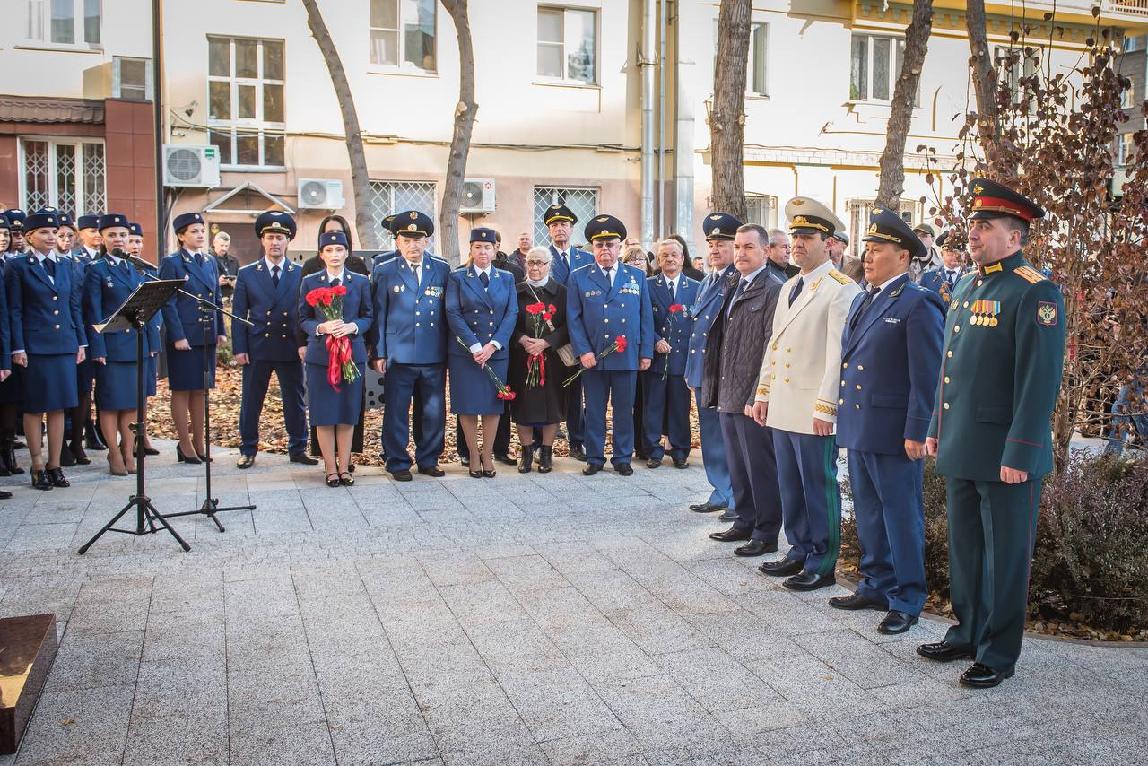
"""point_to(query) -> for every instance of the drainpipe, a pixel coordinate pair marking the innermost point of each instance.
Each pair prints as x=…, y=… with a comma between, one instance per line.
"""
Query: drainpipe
x=683, y=221
x=661, y=118
x=647, y=62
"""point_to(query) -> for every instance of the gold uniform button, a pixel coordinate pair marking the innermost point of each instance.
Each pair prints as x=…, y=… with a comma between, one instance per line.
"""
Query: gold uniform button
x=946, y=378
x=966, y=304
x=949, y=354
x=787, y=380
x=956, y=328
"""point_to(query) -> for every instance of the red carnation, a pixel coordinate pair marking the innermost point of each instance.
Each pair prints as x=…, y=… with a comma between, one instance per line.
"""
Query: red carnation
x=620, y=342
x=677, y=308
x=536, y=308
x=552, y=308
x=339, y=290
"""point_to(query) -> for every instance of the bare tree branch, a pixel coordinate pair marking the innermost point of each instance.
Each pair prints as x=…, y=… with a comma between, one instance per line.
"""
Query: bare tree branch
x=727, y=119
x=464, y=115
x=904, y=99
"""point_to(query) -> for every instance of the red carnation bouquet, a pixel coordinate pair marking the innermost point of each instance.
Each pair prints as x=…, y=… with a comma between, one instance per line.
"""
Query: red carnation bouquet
x=677, y=308
x=618, y=345
x=504, y=391
x=536, y=363
x=340, y=367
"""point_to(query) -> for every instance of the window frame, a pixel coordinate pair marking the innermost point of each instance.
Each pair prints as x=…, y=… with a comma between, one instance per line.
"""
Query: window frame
x=53, y=192
x=559, y=192
x=564, y=78
x=43, y=25
x=770, y=201
x=897, y=55
x=387, y=238
x=858, y=210
x=1125, y=147
x=117, y=78
x=402, y=66
x=236, y=126
x=750, y=90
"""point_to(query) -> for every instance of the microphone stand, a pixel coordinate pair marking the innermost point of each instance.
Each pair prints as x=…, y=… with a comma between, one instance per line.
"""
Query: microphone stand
x=210, y=505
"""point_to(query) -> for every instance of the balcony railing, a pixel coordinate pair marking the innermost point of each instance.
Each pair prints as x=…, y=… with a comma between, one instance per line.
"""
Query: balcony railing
x=1131, y=7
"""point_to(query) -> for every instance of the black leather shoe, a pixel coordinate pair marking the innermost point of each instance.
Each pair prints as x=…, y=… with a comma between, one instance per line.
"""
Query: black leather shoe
x=728, y=515
x=983, y=677
x=5, y=495
x=526, y=459
x=731, y=535
x=591, y=469
x=896, y=622
x=402, y=475
x=706, y=507
x=506, y=459
x=855, y=601
x=79, y=454
x=245, y=462
x=432, y=470
x=781, y=567
x=40, y=480
x=488, y=474
x=546, y=460
x=755, y=548
x=681, y=462
x=465, y=460
x=150, y=451
x=654, y=462
x=302, y=458
x=943, y=652
x=625, y=469
x=56, y=477
x=578, y=452
x=67, y=457
x=809, y=581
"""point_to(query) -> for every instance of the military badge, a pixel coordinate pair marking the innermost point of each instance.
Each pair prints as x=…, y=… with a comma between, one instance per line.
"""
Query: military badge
x=1046, y=314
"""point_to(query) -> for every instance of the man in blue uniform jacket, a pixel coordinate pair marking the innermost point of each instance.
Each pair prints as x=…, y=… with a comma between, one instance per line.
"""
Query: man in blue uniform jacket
x=890, y=357
x=565, y=259
x=667, y=397
x=410, y=346
x=267, y=295
x=606, y=302
x=719, y=229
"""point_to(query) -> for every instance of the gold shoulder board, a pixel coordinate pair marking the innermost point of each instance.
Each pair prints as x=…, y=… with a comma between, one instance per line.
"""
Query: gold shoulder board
x=839, y=277
x=1029, y=274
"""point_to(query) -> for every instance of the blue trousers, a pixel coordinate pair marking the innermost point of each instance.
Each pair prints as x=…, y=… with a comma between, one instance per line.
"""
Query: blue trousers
x=810, y=498
x=667, y=411
x=256, y=378
x=401, y=383
x=753, y=474
x=575, y=413
x=615, y=387
x=713, y=454
x=889, y=505
x=1128, y=417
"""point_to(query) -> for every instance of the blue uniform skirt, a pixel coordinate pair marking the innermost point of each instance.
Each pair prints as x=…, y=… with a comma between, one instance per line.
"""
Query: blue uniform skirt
x=329, y=407
x=150, y=374
x=50, y=383
x=116, y=386
x=472, y=392
x=185, y=368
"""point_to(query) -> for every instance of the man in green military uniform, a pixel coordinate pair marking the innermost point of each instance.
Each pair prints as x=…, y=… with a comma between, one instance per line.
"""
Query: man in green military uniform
x=991, y=432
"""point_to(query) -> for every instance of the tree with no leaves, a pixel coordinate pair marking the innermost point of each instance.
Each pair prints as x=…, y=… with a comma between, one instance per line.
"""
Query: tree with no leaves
x=727, y=118
x=464, y=115
x=904, y=99
x=360, y=178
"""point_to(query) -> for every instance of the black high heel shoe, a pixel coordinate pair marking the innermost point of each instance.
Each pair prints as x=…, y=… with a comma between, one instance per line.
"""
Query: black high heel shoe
x=332, y=480
x=346, y=479
x=182, y=458
x=475, y=474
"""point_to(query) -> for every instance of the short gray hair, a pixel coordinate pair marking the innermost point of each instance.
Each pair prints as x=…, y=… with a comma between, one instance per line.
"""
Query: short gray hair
x=671, y=242
x=538, y=252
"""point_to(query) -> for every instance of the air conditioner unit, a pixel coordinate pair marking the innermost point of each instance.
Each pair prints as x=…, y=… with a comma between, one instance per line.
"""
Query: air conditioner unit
x=189, y=165
x=320, y=194
x=477, y=196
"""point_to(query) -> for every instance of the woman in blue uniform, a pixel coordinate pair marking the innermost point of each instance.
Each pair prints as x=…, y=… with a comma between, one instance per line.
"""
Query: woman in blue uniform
x=481, y=309
x=11, y=391
x=80, y=417
x=48, y=341
x=108, y=282
x=5, y=354
x=135, y=248
x=192, y=333
x=334, y=412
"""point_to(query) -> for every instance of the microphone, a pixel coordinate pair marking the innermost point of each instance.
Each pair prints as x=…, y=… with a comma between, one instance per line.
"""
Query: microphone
x=139, y=263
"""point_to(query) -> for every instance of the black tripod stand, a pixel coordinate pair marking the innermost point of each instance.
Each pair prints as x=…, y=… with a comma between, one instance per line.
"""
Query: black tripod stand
x=210, y=505
x=135, y=313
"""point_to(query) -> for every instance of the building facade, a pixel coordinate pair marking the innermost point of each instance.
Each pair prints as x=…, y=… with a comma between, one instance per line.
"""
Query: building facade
x=602, y=104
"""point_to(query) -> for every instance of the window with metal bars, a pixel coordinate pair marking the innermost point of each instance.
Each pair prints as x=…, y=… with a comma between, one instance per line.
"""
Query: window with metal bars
x=70, y=175
x=389, y=197
x=583, y=202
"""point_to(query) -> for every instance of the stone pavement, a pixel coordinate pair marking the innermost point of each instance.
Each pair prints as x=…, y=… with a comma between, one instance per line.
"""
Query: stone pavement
x=540, y=619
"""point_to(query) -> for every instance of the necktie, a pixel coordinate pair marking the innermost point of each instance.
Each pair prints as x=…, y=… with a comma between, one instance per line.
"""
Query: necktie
x=741, y=287
x=335, y=282
x=275, y=275
x=485, y=279
x=866, y=302
x=566, y=259
x=950, y=277
x=50, y=267
x=417, y=268
x=199, y=259
x=609, y=275
x=673, y=290
x=796, y=291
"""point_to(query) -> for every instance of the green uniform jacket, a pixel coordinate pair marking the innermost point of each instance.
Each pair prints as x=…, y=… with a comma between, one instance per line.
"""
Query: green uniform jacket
x=1000, y=373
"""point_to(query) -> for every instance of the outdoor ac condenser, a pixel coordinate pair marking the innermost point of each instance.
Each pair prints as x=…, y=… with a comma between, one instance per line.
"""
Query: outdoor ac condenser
x=190, y=165
x=320, y=194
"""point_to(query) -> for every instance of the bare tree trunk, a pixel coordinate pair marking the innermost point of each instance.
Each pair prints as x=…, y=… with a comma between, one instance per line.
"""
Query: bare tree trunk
x=984, y=74
x=727, y=119
x=360, y=179
x=904, y=99
x=464, y=115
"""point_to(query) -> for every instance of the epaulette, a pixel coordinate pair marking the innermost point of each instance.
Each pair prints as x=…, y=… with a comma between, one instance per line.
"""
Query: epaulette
x=1029, y=274
x=839, y=277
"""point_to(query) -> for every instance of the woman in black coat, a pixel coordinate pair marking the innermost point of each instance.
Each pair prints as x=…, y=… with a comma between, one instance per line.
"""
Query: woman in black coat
x=541, y=329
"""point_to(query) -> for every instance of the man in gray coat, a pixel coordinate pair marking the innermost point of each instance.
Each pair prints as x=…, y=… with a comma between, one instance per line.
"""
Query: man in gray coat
x=734, y=352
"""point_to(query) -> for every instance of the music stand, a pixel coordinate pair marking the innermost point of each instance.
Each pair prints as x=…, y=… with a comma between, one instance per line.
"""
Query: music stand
x=135, y=313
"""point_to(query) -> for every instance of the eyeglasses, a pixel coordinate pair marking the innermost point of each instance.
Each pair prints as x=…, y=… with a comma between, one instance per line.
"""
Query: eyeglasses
x=537, y=263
